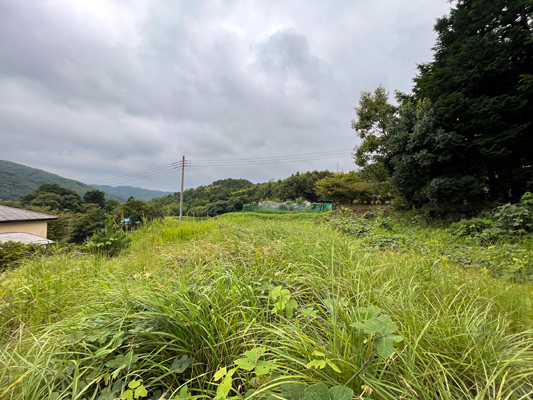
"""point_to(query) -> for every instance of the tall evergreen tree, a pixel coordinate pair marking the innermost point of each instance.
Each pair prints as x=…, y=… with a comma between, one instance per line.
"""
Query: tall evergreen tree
x=481, y=80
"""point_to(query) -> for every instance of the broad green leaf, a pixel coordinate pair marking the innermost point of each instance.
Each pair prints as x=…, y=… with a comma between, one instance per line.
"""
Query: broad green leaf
x=256, y=353
x=101, y=353
x=318, y=353
x=183, y=394
x=116, y=362
x=340, y=393
x=274, y=294
x=289, y=308
x=293, y=391
x=318, y=391
x=134, y=384
x=140, y=392
x=219, y=374
x=263, y=367
x=249, y=392
x=128, y=358
x=316, y=364
x=384, y=345
x=224, y=388
x=127, y=395
x=246, y=363
x=118, y=386
x=372, y=310
x=106, y=394
x=232, y=371
x=381, y=325
x=251, y=360
x=181, y=364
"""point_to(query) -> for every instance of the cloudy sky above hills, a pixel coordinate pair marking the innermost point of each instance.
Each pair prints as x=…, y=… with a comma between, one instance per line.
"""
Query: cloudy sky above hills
x=98, y=89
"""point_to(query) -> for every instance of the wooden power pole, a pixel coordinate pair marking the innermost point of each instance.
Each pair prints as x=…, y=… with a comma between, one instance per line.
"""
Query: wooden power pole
x=181, y=195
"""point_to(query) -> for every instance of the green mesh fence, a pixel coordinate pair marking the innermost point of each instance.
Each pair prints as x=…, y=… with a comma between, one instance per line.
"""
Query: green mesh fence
x=287, y=206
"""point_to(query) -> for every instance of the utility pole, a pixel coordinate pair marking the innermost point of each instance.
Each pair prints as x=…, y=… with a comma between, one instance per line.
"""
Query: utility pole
x=181, y=195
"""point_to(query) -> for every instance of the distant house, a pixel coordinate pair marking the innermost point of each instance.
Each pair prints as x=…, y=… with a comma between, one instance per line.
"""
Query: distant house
x=24, y=226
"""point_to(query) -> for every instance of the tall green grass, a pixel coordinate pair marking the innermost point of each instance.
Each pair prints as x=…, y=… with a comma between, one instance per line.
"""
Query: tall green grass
x=201, y=289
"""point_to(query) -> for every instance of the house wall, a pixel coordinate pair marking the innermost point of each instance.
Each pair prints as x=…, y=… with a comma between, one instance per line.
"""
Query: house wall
x=39, y=228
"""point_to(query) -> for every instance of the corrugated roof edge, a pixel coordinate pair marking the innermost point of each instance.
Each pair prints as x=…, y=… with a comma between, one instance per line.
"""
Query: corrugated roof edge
x=52, y=217
x=11, y=214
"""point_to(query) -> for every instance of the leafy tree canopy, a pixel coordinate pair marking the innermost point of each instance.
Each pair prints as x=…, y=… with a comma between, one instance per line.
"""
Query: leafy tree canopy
x=373, y=117
x=344, y=187
x=423, y=159
x=95, y=197
x=53, y=196
x=481, y=79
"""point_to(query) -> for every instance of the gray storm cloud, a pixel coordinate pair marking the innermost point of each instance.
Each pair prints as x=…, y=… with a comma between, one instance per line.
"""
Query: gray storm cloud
x=93, y=90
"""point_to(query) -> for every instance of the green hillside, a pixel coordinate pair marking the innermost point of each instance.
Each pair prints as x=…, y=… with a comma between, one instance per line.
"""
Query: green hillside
x=136, y=192
x=17, y=180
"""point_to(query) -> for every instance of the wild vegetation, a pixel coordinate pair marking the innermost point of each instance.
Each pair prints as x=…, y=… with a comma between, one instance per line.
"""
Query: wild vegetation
x=229, y=195
x=259, y=305
x=80, y=217
x=308, y=306
x=464, y=137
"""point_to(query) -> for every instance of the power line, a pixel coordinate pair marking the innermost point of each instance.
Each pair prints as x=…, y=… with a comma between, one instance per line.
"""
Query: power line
x=133, y=174
x=275, y=157
x=169, y=169
x=281, y=161
x=173, y=171
x=144, y=176
x=151, y=177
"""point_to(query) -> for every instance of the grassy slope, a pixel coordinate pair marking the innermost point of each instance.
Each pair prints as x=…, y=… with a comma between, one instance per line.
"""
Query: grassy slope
x=201, y=289
x=17, y=180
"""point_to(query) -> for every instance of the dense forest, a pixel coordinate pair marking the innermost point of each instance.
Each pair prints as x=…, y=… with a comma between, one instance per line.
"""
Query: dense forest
x=464, y=137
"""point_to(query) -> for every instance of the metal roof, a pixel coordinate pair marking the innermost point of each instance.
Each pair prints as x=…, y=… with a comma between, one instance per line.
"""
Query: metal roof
x=10, y=214
x=25, y=238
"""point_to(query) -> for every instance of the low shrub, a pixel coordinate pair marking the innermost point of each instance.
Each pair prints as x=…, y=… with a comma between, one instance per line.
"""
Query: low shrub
x=109, y=241
x=508, y=221
x=12, y=253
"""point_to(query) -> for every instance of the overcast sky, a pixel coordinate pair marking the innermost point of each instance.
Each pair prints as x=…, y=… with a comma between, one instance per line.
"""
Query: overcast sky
x=96, y=89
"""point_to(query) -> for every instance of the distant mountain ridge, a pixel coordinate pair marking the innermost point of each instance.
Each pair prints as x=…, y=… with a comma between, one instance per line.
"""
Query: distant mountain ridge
x=135, y=192
x=17, y=180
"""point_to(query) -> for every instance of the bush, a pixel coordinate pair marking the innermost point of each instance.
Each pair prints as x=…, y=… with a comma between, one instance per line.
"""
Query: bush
x=12, y=254
x=109, y=242
x=505, y=222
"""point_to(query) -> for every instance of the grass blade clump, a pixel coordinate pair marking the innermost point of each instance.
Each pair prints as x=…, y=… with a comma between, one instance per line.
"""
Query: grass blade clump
x=314, y=305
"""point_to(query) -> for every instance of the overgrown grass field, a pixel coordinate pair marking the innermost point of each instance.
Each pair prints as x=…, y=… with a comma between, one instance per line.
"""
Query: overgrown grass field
x=376, y=309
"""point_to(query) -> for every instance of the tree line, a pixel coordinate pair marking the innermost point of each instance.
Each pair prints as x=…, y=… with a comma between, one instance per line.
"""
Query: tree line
x=464, y=136
x=79, y=217
x=229, y=195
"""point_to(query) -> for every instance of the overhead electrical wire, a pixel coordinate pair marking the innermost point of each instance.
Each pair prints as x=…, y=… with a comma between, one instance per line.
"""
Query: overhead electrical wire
x=259, y=162
x=275, y=157
x=173, y=171
x=134, y=174
x=169, y=169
